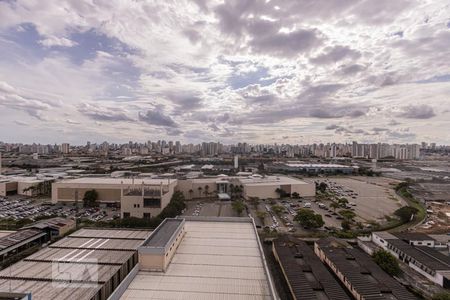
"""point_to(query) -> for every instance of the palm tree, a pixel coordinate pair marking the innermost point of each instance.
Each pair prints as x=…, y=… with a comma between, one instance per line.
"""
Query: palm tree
x=206, y=190
x=200, y=191
x=191, y=191
x=334, y=205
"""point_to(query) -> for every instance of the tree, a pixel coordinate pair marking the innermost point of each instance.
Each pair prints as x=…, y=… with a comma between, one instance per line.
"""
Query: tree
x=206, y=190
x=191, y=192
x=90, y=198
x=346, y=225
x=406, y=213
x=295, y=195
x=343, y=202
x=175, y=206
x=261, y=215
x=441, y=296
x=387, y=262
x=254, y=201
x=238, y=206
x=279, y=192
x=347, y=214
x=200, y=191
x=308, y=218
x=322, y=187
x=277, y=209
x=334, y=205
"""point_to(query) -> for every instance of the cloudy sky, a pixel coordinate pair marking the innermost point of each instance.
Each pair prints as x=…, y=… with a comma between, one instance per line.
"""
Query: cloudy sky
x=296, y=71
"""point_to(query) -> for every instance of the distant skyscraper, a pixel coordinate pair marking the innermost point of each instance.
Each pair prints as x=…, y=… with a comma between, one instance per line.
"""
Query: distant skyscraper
x=65, y=148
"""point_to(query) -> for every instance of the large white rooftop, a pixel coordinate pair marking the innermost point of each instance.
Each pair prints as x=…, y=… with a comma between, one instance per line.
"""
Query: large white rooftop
x=299, y=165
x=270, y=180
x=117, y=181
x=215, y=260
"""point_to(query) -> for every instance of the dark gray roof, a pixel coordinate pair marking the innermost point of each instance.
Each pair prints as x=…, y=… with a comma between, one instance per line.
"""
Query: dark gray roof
x=361, y=271
x=163, y=233
x=425, y=255
x=297, y=259
x=413, y=236
x=18, y=237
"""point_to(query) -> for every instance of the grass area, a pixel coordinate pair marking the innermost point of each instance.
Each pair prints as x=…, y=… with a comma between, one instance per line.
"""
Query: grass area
x=402, y=190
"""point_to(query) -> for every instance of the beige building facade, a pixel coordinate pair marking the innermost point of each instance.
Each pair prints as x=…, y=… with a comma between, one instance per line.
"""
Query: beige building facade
x=252, y=186
x=141, y=198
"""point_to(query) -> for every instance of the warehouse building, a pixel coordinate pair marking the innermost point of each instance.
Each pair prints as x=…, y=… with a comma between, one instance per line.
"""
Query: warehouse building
x=420, y=257
x=297, y=167
x=306, y=276
x=16, y=242
x=263, y=187
x=26, y=186
x=362, y=277
x=214, y=258
x=141, y=198
x=157, y=251
x=53, y=227
x=88, y=264
x=266, y=187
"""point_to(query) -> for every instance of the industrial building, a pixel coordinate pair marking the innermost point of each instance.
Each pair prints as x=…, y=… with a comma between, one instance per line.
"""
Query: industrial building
x=54, y=227
x=306, y=276
x=313, y=168
x=263, y=187
x=266, y=187
x=141, y=198
x=214, y=258
x=19, y=241
x=157, y=251
x=21, y=185
x=88, y=264
x=146, y=197
x=417, y=251
x=362, y=277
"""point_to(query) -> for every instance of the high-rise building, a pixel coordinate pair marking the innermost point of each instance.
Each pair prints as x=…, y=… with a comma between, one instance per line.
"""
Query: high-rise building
x=65, y=148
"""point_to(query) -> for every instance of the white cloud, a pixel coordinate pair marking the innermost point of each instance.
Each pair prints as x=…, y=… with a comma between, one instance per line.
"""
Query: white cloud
x=55, y=41
x=185, y=58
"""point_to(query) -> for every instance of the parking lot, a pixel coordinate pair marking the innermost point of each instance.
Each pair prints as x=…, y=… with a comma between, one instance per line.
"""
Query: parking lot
x=20, y=207
x=371, y=199
x=210, y=208
x=375, y=198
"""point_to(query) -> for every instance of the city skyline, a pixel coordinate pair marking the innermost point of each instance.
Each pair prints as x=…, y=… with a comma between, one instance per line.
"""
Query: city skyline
x=264, y=72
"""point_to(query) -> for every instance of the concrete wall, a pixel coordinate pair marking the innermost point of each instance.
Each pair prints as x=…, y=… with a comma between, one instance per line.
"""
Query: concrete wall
x=260, y=191
x=304, y=190
x=65, y=192
x=135, y=204
x=185, y=186
x=268, y=191
x=7, y=187
x=158, y=259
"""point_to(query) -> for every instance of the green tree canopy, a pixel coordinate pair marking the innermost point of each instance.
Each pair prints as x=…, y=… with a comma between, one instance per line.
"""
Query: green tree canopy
x=441, y=296
x=322, y=187
x=342, y=201
x=308, y=218
x=347, y=214
x=238, y=206
x=334, y=205
x=278, y=209
x=405, y=213
x=387, y=262
x=90, y=198
x=346, y=225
